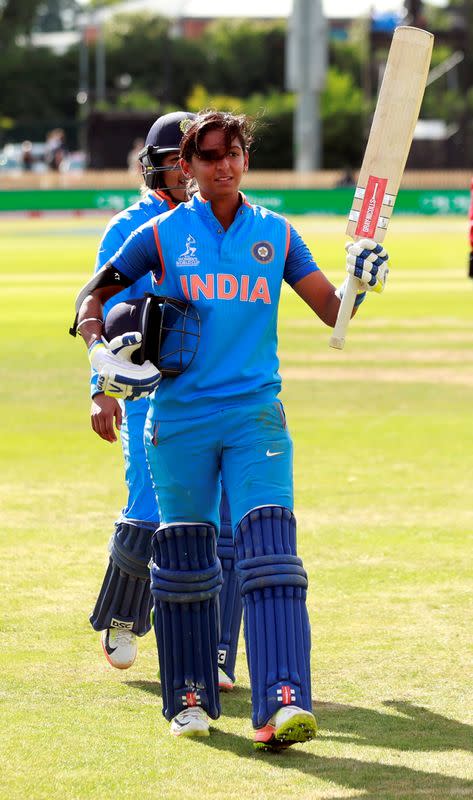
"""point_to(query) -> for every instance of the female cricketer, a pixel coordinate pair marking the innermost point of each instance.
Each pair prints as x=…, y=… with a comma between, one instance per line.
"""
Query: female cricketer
x=221, y=418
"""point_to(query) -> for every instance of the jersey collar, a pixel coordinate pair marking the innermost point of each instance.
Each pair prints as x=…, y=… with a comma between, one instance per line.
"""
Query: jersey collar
x=200, y=202
x=164, y=197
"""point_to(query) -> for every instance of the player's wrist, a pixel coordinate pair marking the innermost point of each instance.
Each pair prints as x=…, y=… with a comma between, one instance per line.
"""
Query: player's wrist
x=96, y=351
x=94, y=344
x=360, y=295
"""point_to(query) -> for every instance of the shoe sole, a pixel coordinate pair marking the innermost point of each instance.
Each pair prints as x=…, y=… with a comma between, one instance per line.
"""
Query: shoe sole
x=225, y=687
x=298, y=729
x=190, y=734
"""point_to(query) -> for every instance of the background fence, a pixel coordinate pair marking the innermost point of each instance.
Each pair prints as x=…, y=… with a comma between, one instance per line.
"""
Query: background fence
x=445, y=192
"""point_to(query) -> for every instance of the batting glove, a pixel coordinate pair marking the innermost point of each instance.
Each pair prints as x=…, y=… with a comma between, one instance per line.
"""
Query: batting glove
x=117, y=375
x=368, y=261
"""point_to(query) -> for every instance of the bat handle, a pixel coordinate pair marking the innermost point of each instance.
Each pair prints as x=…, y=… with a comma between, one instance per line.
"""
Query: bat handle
x=337, y=338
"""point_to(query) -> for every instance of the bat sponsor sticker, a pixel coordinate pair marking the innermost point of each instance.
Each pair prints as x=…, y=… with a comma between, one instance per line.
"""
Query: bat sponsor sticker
x=371, y=208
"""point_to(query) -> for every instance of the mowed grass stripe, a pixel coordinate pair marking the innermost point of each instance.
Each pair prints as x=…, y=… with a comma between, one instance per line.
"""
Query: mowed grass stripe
x=419, y=375
x=412, y=357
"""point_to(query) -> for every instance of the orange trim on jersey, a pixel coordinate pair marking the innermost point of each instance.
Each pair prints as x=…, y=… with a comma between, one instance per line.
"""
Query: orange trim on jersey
x=160, y=254
x=165, y=197
x=288, y=238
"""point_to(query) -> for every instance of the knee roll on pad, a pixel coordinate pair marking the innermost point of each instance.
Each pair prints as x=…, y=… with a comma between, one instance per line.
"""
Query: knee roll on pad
x=124, y=599
x=186, y=578
x=276, y=624
x=230, y=598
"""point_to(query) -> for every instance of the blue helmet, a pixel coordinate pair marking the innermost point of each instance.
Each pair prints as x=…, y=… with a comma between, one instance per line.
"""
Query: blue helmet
x=164, y=137
x=170, y=330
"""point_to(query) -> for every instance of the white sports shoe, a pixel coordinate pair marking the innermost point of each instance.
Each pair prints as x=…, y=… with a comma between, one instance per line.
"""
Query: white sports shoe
x=225, y=684
x=190, y=722
x=289, y=725
x=120, y=647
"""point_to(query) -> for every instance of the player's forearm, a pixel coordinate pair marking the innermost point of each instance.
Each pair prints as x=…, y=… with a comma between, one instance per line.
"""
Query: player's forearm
x=90, y=313
x=90, y=320
x=319, y=294
x=328, y=312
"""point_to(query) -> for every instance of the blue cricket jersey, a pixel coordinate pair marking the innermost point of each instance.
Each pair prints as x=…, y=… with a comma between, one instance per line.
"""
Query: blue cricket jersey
x=234, y=280
x=116, y=233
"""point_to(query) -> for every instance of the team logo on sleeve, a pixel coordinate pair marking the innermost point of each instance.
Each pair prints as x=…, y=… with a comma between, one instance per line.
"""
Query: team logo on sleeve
x=188, y=257
x=263, y=252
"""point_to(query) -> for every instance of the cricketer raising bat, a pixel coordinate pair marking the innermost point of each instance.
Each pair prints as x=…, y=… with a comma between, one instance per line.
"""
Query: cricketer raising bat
x=389, y=142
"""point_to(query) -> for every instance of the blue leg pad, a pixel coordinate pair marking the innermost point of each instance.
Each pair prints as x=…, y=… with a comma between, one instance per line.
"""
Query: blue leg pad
x=230, y=598
x=276, y=623
x=124, y=599
x=186, y=578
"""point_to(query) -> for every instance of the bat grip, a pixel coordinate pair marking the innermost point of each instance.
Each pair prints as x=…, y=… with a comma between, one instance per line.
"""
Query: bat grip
x=337, y=338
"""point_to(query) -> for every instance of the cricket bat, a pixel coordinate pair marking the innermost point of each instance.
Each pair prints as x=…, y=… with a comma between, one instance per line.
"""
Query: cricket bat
x=389, y=142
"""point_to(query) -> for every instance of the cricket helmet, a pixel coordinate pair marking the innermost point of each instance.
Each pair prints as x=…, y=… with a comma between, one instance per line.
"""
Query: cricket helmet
x=170, y=331
x=164, y=137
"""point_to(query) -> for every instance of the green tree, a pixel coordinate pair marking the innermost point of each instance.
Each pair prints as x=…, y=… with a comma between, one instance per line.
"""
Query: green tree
x=245, y=56
x=16, y=17
x=343, y=116
x=342, y=110
x=142, y=47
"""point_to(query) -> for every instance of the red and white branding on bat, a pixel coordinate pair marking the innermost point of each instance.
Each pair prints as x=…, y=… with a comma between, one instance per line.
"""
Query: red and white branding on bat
x=371, y=208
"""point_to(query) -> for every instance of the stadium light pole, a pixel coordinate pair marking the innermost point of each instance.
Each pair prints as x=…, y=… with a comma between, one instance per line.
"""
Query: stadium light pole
x=306, y=67
x=82, y=95
x=100, y=58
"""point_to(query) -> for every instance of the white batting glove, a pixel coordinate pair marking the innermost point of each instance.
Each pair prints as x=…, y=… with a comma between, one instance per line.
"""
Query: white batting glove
x=119, y=377
x=368, y=261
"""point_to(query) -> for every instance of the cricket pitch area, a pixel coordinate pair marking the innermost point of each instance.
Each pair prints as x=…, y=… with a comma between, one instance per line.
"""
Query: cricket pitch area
x=383, y=440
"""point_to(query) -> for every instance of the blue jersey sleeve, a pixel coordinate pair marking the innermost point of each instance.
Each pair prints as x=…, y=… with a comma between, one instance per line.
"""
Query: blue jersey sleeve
x=140, y=253
x=299, y=260
x=112, y=240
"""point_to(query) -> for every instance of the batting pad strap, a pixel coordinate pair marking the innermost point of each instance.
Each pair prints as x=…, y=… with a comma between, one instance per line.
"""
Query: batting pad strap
x=130, y=549
x=185, y=581
x=226, y=549
x=262, y=572
x=197, y=587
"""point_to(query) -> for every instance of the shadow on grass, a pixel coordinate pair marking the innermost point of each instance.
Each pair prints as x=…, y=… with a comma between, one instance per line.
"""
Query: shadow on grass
x=416, y=728
x=376, y=781
x=236, y=703
x=152, y=687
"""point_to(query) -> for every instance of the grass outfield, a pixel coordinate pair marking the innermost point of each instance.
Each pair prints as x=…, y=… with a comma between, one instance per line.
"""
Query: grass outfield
x=383, y=463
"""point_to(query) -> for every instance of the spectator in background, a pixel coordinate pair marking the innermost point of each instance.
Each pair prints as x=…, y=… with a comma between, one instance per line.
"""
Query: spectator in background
x=134, y=164
x=27, y=155
x=55, y=148
x=347, y=178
